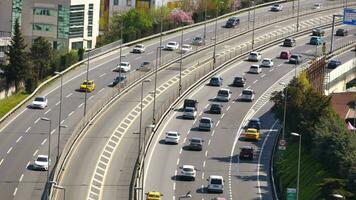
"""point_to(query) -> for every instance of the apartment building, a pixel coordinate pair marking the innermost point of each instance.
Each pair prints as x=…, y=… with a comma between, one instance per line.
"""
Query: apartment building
x=67, y=24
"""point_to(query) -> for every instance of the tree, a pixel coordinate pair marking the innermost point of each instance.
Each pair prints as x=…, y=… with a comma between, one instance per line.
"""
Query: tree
x=41, y=54
x=17, y=69
x=332, y=186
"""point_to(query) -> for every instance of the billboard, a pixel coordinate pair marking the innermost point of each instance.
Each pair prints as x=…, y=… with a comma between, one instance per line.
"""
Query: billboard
x=349, y=16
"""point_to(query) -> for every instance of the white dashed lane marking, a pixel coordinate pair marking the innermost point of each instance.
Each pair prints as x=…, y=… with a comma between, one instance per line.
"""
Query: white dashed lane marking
x=71, y=113
x=8, y=151
x=35, y=153
x=28, y=129
x=18, y=139
x=44, y=141
x=58, y=103
x=2, y=160
x=14, y=194
x=70, y=94
x=38, y=119
x=102, y=75
x=21, y=177
x=49, y=110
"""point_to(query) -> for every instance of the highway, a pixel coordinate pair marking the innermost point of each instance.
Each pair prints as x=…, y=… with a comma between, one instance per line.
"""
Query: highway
x=24, y=135
x=243, y=179
x=84, y=169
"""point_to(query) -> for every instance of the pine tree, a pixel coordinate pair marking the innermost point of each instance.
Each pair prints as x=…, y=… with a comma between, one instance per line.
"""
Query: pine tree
x=41, y=54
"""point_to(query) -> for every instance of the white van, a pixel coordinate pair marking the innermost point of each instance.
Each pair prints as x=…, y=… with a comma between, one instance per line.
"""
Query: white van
x=215, y=184
x=224, y=95
x=247, y=95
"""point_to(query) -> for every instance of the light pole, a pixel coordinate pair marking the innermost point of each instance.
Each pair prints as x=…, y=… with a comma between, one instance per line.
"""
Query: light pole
x=60, y=113
x=253, y=25
x=188, y=195
x=155, y=85
x=180, y=63
x=298, y=7
x=87, y=79
x=299, y=152
x=332, y=33
x=285, y=108
x=49, y=148
x=140, y=131
x=216, y=30
x=143, y=159
x=205, y=13
x=60, y=188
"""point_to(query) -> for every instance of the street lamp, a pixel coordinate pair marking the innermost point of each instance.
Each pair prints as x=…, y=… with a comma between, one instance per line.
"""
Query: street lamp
x=253, y=25
x=216, y=29
x=180, y=63
x=152, y=126
x=298, y=7
x=60, y=188
x=140, y=131
x=87, y=79
x=285, y=108
x=159, y=48
x=60, y=112
x=299, y=152
x=49, y=147
x=188, y=195
x=205, y=15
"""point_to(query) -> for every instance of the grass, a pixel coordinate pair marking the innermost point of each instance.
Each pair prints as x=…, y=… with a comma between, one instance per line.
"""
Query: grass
x=10, y=102
x=311, y=174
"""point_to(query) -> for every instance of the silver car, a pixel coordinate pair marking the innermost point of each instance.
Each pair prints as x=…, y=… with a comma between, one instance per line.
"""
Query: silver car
x=206, y=124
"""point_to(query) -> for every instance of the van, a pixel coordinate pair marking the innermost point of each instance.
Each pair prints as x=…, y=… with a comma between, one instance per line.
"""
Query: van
x=224, y=95
x=215, y=184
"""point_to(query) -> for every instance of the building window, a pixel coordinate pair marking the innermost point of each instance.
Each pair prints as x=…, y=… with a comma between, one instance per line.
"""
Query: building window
x=116, y=2
x=63, y=22
x=76, y=21
x=89, y=43
x=77, y=45
x=42, y=27
x=44, y=11
x=90, y=31
x=129, y=3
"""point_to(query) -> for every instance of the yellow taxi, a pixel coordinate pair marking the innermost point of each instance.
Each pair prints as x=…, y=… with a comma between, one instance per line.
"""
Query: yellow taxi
x=252, y=134
x=153, y=195
x=87, y=85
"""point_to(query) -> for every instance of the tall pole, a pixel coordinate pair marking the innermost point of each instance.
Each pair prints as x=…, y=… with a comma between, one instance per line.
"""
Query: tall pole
x=49, y=155
x=86, y=90
x=284, y=112
x=332, y=33
x=216, y=29
x=293, y=8
x=180, y=64
x=143, y=160
x=253, y=25
x=205, y=13
x=298, y=7
x=154, y=91
x=122, y=40
x=60, y=117
x=299, y=155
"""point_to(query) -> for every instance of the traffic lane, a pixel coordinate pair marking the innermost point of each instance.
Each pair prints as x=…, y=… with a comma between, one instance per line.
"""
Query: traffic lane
x=345, y=57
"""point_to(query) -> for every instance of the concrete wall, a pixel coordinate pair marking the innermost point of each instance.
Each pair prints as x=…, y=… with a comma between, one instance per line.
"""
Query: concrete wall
x=338, y=77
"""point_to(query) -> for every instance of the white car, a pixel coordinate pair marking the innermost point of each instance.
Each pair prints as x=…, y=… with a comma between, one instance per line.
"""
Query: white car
x=254, y=56
x=189, y=113
x=277, y=7
x=247, y=95
x=171, y=46
x=267, y=62
x=41, y=162
x=172, y=137
x=317, y=5
x=139, y=48
x=255, y=69
x=185, y=48
x=39, y=102
x=224, y=95
x=188, y=172
x=206, y=124
x=215, y=183
x=123, y=67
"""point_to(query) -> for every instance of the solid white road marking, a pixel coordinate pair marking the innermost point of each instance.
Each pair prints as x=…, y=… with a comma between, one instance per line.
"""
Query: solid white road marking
x=8, y=151
x=28, y=129
x=178, y=162
x=29, y=162
x=70, y=94
x=18, y=139
x=48, y=111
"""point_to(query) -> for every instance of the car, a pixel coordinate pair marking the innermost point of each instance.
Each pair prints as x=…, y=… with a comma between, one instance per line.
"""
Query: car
x=246, y=152
x=317, y=5
x=205, y=124
x=189, y=113
x=139, y=48
x=254, y=123
x=153, y=195
x=39, y=102
x=232, y=22
x=215, y=184
x=185, y=48
x=318, y=32
x=267, y=62
x=216, y=81
x=289, y=42
x=285, y=54
x=197, y=41
x=188, y=172
x=41, y=162
x=123, y=67
x=145, y=66
x=254, y=56
x=118, y=79
x=196, y=144
x=247, y=95
x=190, y=103
x=295, y=59
x=87, y=86
x=332, y=64
x=171, y=46
x=239, y=81
x=315, y=40
x=341, y=32
x=252, y=134
x=276, y=7
x=172, y=137
x=216, y=108
x=224, y=94
x=255, y=69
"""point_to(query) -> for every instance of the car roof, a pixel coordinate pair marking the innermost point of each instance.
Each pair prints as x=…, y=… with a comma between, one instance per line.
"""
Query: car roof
x=188, y=166
x=196, y=138
x=224, y=89
x=247, y=90
x=215, y=177
x=255, y=119
x=206, y=118
x=255, y=66
x=175, y=132
x=42, y=156
x=254, y=52
x=247, y=147
x=124, y=62
x=269, y=59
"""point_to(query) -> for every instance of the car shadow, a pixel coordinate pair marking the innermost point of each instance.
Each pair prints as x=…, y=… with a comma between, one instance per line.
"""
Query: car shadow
x=180, y=178
x=179, y=109
x=195, y=129
x=162, y=141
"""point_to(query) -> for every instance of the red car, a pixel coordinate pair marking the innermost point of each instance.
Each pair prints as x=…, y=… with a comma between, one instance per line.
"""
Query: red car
x=285, y=54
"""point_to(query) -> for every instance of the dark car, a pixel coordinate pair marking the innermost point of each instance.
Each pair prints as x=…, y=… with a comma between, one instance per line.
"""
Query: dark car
x=315, y=40
x=196, y=144
x=341, y=32
x=232, y=22
x=239, y=81
x=295, y=59
x=118, y=79
x=190, y=103
x=254, y=123
x=216, y=108
x=246, y=153
x=289, y=42
x=197, y=41
x=216, y=81
x=332, y=64
x=318, y=32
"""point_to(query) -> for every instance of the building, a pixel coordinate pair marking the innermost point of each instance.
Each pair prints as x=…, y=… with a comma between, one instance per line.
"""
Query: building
x=67, y=24
x=344, y=103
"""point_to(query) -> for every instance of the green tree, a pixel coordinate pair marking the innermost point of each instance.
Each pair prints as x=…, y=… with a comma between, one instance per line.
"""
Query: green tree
x=17, y=69
x=41, y=54
x=332, y=186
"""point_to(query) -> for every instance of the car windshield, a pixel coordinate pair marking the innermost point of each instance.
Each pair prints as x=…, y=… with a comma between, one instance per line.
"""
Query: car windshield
x=139, y=46
x=253, y=54
x=205, y=120
x=172, y=134
x=86, y=83
x=295, y=56
x=215, y=79
x=254, y=67
x=195, y=141
x=231, y=20
x=247, y=92
x=42, y=159
x=215, y=106
x=224, y=93
x=246, y=149
x=153, y=196
x=189, y=109
x=251, y=131
x=171, y=43
x=124, y=64
x=216, y=181
x=288, y=40
x=186, y=46
x=188, y=169
x=238, y=78
x=266, y=61
x=40, y=99
x=197, y=38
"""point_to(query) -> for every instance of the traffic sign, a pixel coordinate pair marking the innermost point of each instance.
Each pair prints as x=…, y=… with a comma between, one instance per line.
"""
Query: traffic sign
x=282, y=142
x=349, y=16
x=291, y=194
x=282, y=148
